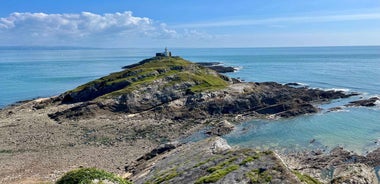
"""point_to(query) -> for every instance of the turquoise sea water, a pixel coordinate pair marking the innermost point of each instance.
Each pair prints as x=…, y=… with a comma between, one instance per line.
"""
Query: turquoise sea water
x=27, y=73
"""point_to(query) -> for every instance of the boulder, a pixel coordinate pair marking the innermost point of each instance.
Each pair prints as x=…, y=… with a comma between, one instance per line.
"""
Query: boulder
x=365, y=103
x=222, y=128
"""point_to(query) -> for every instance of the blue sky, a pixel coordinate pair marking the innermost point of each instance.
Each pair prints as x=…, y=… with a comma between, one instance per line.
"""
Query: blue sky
x=195, y=23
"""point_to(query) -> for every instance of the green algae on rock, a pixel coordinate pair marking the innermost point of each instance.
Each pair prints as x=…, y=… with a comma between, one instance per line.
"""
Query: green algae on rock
x=211, y=161
x=90, y=176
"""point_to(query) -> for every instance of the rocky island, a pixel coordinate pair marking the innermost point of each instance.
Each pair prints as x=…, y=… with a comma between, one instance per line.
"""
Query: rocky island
x=131, y=123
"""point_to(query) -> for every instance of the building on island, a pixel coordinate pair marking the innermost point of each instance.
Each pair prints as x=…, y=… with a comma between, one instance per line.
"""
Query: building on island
x=166, y=53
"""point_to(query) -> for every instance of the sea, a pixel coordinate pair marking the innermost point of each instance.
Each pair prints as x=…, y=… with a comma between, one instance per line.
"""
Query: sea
x=33, y=72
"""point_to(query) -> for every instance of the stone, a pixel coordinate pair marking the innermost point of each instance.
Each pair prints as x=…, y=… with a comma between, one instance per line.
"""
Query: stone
x=365, y=103
x=219, y=145
x=222, y=128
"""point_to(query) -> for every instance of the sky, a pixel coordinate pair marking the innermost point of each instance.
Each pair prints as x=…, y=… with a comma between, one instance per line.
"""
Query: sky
x=191, y=23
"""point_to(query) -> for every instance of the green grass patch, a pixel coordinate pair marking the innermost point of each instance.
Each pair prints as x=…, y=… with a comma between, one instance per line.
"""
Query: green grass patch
x=88, y=175
x=206, y=161
x=152, y=69
x=207, y=82
x=6, y=151
x=216, y=175
x=221, y=165
x=166, y=177
x=163, y=176
x=138, y=84
x=259, y=176
x=153, y=64
x=306, y=178
x=249, y=159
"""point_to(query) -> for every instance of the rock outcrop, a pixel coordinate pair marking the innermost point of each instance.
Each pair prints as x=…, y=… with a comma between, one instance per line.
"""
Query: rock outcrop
x=217, y=67
x=222, y=128
x=177, y=89
x=201, y=162
x=338, y=166
x=365, y=103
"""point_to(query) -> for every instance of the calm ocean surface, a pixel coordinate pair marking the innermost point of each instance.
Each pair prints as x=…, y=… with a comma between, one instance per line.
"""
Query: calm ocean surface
x=41, y=72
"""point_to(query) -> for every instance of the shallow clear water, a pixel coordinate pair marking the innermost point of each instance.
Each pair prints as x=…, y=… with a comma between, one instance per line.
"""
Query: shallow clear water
x=30, y=73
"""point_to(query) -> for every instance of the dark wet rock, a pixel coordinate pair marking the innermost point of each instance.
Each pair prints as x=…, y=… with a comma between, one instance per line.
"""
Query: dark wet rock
x=175, y=102
x=136, y=166
x=159, y=150
x=206, y=64
x=334, y=109
x=365, y=103
x=373, y=158
x=217, y=67
x=221, y=128
x=293, y=84
x=222, y=69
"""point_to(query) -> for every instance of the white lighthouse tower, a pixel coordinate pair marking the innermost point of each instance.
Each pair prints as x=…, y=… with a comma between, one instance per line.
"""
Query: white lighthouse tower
x=167, y=53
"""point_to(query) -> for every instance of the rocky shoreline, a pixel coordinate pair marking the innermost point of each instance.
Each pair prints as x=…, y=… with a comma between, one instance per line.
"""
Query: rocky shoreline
x=135, y=112
x=218, y=67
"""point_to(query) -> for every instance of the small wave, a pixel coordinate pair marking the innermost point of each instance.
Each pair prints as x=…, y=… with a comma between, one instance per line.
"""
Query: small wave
x=339, y=110
x=338, y=89
x=377, y=102
x=334, y=89
x=237, y=68
x=367, y=96
x=297, y=84
x=302, y=84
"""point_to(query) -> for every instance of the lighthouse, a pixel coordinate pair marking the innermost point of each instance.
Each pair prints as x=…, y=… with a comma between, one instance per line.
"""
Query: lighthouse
x=166, y=53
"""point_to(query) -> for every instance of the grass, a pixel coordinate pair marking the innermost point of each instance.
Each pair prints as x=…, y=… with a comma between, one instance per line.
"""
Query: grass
x=88, y=175
x=166, y=177
x=306, y=178
x=138, y=84
x=154, y=64
x=163, y=177
x=6, y=151
x=174, y=69
x=206, y=161
x=216, y=175
x=259, y=176
x=219, y=171
x=249, y=159
x=221, y=165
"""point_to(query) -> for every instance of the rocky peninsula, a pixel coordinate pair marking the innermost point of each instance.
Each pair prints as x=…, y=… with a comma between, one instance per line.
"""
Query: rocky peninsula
x=128, y=123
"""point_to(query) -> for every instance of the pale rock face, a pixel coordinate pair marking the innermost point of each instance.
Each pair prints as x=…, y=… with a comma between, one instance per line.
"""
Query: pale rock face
x=349, y=174
x=220, y=145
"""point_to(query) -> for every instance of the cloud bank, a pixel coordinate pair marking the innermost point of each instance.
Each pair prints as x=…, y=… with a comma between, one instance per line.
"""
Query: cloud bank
x=85, y=29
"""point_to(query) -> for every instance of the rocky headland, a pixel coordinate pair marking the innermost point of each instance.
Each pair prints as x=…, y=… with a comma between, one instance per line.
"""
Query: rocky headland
x=132, y=116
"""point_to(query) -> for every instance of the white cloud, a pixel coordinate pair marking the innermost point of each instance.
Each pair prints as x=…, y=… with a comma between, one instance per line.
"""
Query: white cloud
x=300, y=19
x=78, y=29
